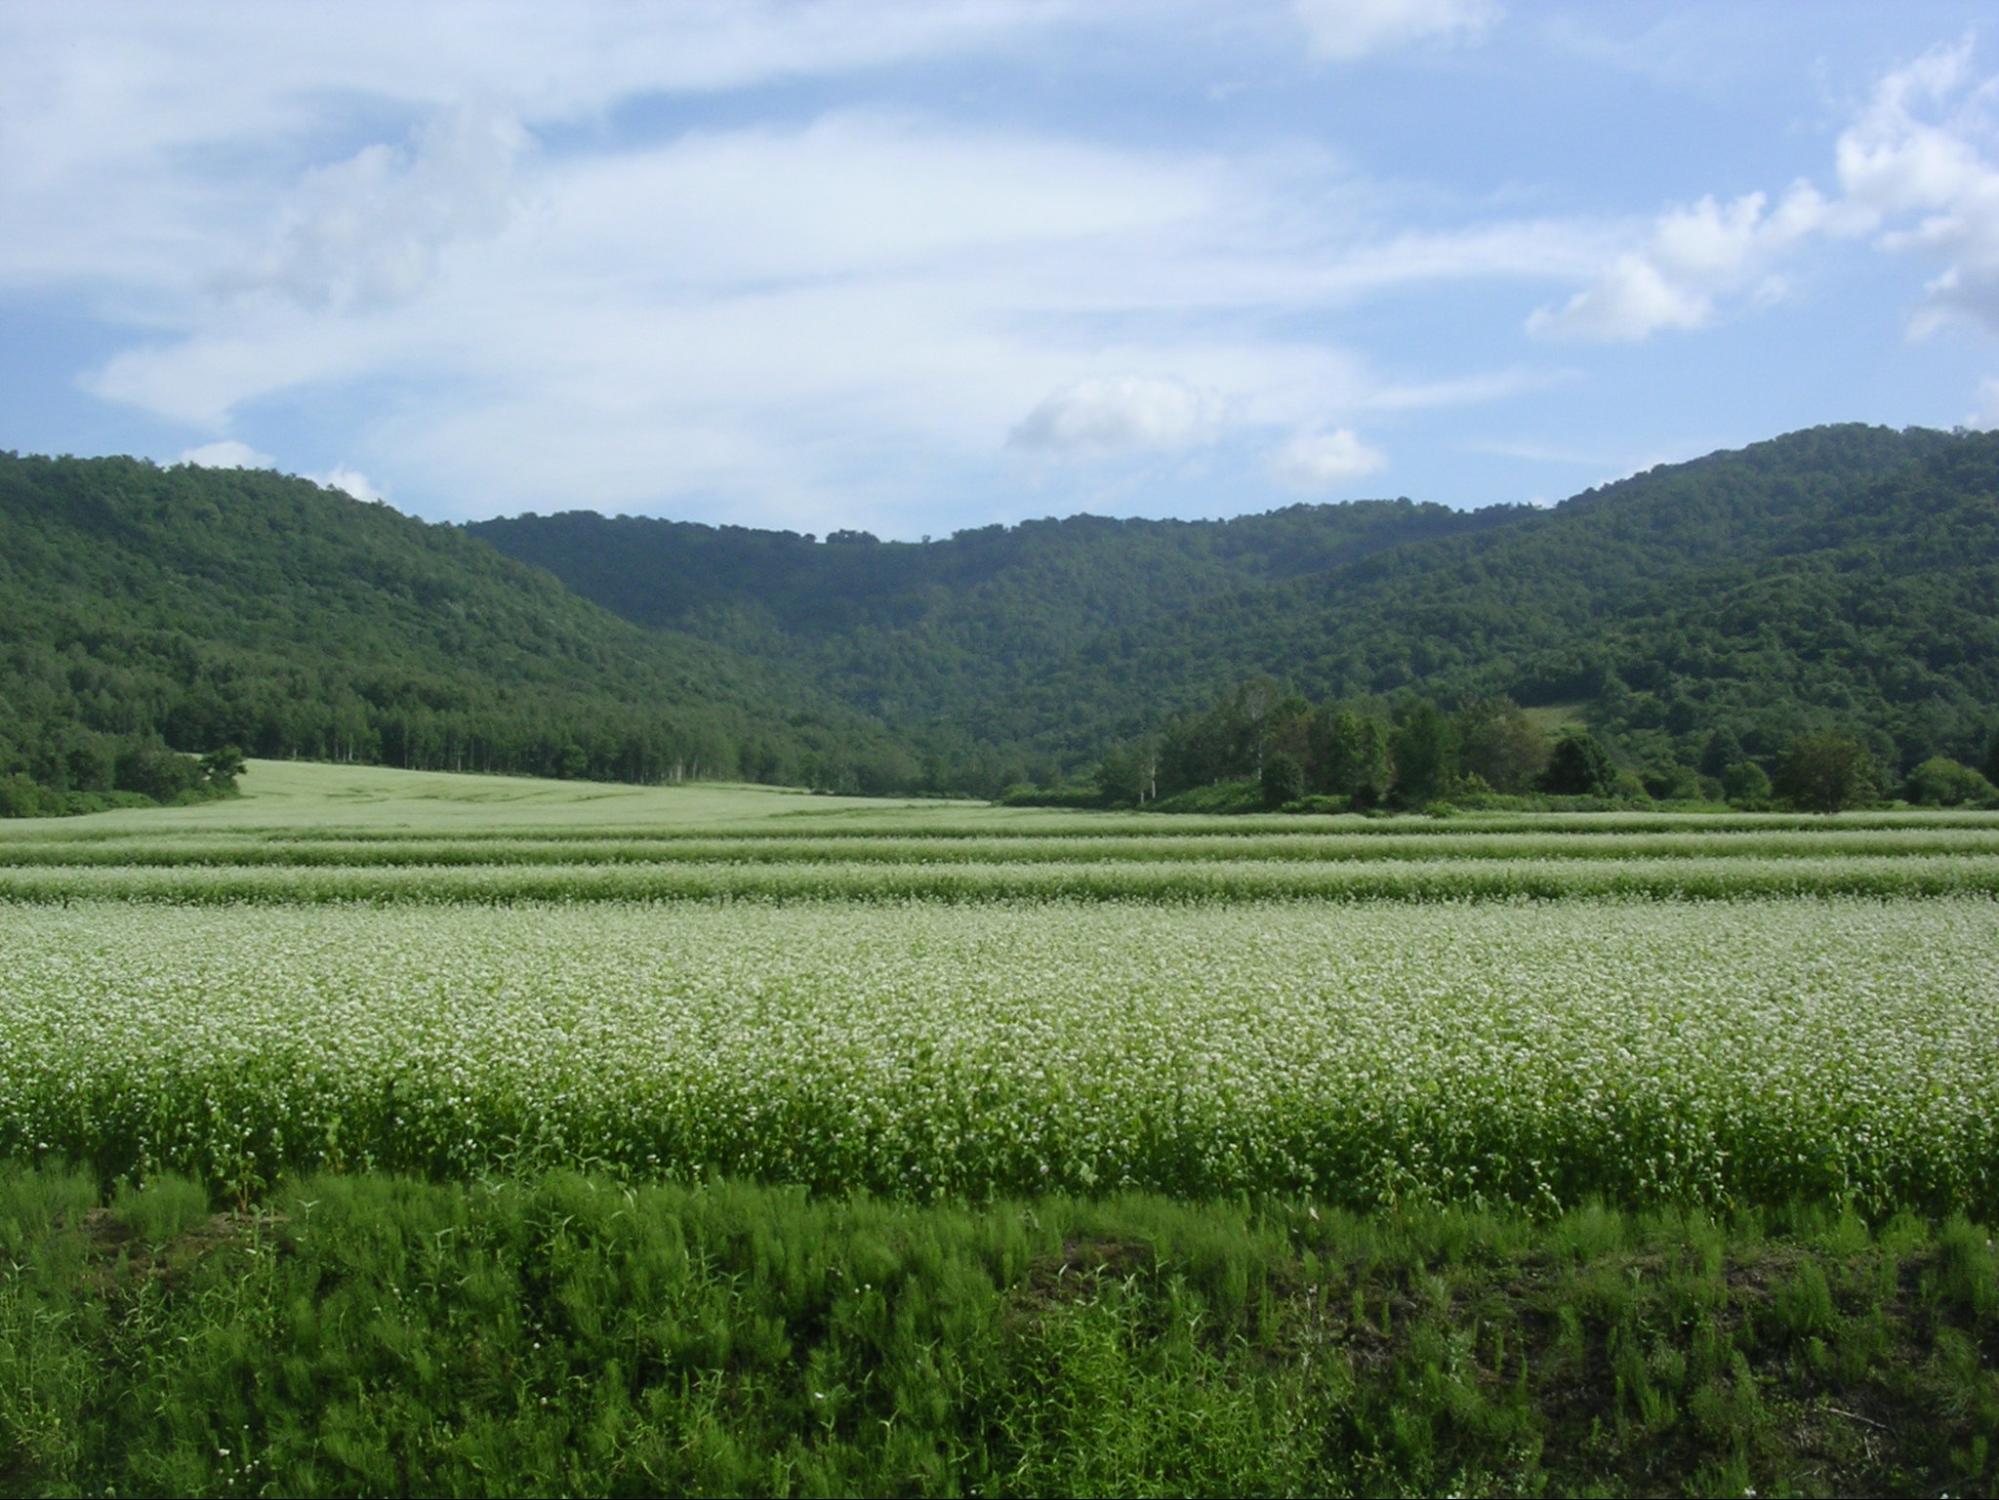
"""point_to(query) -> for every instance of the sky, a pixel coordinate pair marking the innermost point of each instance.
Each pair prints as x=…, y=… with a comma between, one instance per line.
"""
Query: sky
x=917, y=267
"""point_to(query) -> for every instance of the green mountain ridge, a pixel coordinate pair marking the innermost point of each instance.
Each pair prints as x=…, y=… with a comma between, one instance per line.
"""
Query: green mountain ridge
x=210, y=607
x=1844, y=574
x=972, y=642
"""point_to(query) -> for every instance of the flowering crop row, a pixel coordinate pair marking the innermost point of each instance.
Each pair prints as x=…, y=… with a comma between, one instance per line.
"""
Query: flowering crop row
x=1520, y=1052
x=429, y=849
x=501, y=823
x=1210, y=881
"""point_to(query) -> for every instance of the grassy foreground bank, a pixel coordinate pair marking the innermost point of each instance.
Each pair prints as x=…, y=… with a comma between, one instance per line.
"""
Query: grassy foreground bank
x=371, y=1334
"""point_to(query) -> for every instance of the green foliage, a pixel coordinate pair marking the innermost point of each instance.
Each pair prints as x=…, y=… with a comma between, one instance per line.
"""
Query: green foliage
x=1424, y=750
x=1283, y=781
x=558, y=1334
x=1579, y=766
x=1348, y=755
x=1216, y=798
x=1827, y=773
x=1672, y=782
x=1941, y=782
x=1698, y=615
x=147, y=608
x=1500, y=745
x=167, y=1206
x=220, y=768
x=1746, y=784
x=1702, y=613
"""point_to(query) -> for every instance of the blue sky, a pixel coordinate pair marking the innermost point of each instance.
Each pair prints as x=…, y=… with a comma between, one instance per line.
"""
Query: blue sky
x=919, y=267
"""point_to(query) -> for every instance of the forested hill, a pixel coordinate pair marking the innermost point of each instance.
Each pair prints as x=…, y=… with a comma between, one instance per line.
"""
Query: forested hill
x=1842, y=575
x=211, y=607
x=995, y=648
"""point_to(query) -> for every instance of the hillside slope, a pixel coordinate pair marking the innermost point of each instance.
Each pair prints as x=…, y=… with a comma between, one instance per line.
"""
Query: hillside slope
x=991, y=642
x=224, y=606
x=1845, y=574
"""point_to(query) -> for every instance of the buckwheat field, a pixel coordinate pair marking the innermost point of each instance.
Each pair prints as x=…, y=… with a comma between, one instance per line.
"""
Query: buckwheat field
x=466, y=977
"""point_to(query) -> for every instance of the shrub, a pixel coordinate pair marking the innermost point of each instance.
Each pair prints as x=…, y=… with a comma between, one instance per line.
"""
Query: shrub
x=1828, y=773
x=1942, y=782
x=1746, y=783
x=1283, y=781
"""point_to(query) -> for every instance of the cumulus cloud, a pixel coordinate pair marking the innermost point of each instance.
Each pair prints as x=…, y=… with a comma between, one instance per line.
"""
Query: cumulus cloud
x=1313, y=461
x=1984, y=417
x=1923, y=149
x=349, y=481
x=1917, y=168
x=227, y=454
x=1690, y=257
x=368, y=231
x=1892, y=160
x=1122, y=412
x=1346, y=30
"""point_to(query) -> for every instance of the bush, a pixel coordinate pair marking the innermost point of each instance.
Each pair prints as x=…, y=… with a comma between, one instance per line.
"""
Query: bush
x=1745, y=783
x=1942, y=782
x=1075, y=794
x=157, y=772
x=1580, y=767
x=1217, y=797
x=1672, y=782
x=1828, y=773
x=1319, y=803
x=1628, y=786
x=1283, y=781
x=20, y=797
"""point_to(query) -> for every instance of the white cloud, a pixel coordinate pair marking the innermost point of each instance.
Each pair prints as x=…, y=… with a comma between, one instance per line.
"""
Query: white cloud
x=351, y=481
x=1528, y=452
x=227, y=359
x=1463, y=390
x=1985, y=416
x=227, y=454
x=1922, y=149
x=1918, y=167
x=1323, y=460
x=368, y=231
x=1346, y=30
x=1117, y=413
x=780, y=318
x=448, y=221
x=1689, y=257
x=1894, y=162
x=113, y=110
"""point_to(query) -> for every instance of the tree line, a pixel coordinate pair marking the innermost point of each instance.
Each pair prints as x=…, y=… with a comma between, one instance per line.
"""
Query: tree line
x=1841, y=576
x=1264, y=745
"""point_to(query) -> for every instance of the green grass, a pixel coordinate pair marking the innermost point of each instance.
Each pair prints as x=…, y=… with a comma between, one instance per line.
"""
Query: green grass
x=371, y=1335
